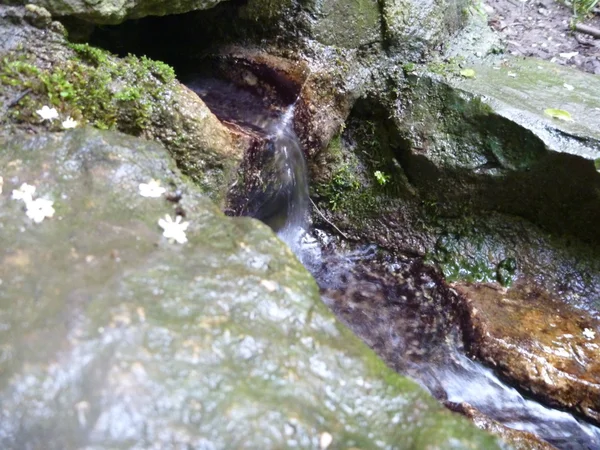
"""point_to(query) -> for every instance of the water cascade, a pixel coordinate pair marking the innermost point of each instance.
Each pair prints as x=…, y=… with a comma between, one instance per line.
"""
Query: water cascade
x=398, y=305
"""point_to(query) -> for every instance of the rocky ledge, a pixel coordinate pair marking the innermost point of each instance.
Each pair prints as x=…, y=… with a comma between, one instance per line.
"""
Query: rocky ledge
x=537, y=343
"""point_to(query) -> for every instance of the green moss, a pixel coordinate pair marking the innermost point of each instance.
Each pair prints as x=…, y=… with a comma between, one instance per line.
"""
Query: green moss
x=159, y=69
x=342, y=184
x=455, y=266
x=458, y=264
x=17, y=72
x=90, y=54
x=505, y=271
x=93, y=86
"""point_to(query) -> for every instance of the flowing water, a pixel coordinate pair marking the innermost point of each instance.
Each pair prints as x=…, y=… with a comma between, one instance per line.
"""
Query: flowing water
x=397, y=305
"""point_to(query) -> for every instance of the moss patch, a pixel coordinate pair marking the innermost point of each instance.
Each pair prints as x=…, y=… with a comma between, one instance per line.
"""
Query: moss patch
x=91, y=86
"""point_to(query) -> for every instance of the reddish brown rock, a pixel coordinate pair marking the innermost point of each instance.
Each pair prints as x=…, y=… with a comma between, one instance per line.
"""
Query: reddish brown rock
x=539, y=344
x=517, y=439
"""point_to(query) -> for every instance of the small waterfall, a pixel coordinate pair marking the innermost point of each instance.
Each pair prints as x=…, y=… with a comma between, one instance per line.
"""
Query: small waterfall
x=277, y=193
x=291, y=165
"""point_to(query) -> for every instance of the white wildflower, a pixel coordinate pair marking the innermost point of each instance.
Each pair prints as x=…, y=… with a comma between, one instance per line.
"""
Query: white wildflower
x=589, y=333
x=39, y=209
x=47, y=113
x=325, y=440
x=512, y=74
x=151, y=189
x=174, y=229
x=25, y=193
x=568, y=87
x=69, y=123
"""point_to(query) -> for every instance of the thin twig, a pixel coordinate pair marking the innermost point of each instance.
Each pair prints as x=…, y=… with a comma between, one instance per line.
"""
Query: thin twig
x=18, y=98
x=595, y=32
x=328, y=221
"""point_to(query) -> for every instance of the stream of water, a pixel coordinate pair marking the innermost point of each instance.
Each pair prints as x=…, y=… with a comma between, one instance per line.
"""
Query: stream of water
x=396, y=304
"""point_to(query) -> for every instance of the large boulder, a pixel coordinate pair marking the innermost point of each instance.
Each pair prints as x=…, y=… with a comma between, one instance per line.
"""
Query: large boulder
x=113, y=336
x=117, y=11
x=475, y=175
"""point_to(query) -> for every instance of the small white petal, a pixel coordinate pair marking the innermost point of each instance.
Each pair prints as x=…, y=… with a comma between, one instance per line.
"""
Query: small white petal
x=174, y=229
x=269, y=285
x=589, y=334
x=151, y=189
x=25, y=193
x=325, y=440
x=47, y=113
x=39, y=209
x=69, y=123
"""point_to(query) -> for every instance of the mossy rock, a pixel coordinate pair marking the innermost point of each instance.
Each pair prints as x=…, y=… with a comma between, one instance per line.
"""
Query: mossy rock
x=112, y=336
x=136, y=95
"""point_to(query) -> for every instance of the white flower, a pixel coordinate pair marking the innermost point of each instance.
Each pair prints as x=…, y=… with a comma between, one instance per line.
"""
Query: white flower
x=589, y=334
x=47, y=113
x=39, y=209
x=1, y=184
x=25, y=193
x=151, y=189
x=174, y=229
x=69, y=123
x=512, y=74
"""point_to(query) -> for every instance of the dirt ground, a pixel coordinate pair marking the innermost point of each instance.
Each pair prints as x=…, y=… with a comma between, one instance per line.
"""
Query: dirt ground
x=541, y=28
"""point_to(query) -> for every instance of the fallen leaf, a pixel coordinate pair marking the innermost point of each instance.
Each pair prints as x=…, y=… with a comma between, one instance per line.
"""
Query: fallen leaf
x=559, y=114
x=468, y=73
x=568, y=55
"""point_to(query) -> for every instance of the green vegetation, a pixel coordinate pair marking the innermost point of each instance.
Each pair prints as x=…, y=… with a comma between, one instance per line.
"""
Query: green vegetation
x=381, y=177
x=343, y=183
x=92, y=86
x=583, y=7
x=450, y=256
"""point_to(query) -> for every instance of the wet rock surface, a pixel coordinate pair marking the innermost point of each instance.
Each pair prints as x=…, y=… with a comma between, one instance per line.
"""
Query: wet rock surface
x=402, y=309
x=112, y=336
x=519, y=440
x=430, y=163
x=537, y=342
